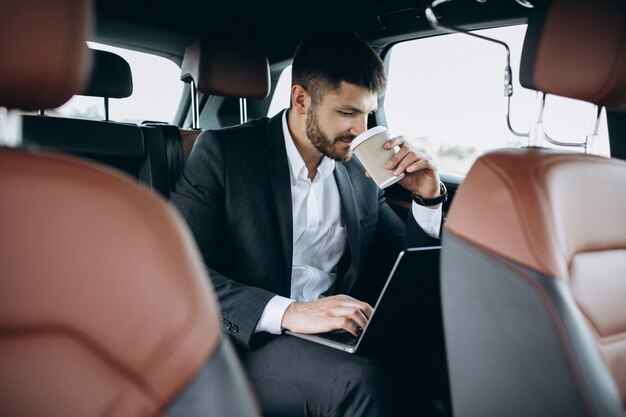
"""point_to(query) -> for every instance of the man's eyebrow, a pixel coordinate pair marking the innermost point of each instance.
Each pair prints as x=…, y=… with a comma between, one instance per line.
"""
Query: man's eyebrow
x=356, y=109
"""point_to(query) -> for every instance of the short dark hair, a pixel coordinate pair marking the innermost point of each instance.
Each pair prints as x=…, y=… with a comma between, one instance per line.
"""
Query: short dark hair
x=327, y=57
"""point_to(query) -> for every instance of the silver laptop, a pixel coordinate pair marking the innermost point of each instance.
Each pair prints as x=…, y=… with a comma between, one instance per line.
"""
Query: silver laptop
x=411, y=264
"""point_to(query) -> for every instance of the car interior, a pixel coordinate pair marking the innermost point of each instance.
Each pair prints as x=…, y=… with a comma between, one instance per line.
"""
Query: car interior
x=106, y=305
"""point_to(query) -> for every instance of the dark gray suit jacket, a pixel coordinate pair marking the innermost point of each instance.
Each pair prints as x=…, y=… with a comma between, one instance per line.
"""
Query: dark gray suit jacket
x=235, y=194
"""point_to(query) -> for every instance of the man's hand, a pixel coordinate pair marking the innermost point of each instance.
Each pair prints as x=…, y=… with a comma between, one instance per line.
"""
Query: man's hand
x=421, y=176
x=327, y=314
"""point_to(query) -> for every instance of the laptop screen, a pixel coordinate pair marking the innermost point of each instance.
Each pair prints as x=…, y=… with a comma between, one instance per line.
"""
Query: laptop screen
x=415, y=275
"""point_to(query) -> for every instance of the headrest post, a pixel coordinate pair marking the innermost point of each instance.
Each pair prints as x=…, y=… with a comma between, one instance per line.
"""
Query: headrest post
x=537, y=129
x=536, y=134
x=556, y=142
x=195, y=110
x=591, y=141
x=10, y=127
x=42, y=112
x=243, y=110
x=106, y=109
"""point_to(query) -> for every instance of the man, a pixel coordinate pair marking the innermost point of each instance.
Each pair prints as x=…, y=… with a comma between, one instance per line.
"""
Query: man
x=287, y=221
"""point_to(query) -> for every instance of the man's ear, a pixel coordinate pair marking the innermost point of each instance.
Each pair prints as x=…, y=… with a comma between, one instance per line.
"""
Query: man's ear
x=300, y=99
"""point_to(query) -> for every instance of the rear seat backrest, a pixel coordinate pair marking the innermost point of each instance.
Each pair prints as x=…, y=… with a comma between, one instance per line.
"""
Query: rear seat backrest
x=114, y=144
x=127, y=147
x=188, y=138
x=229, y=69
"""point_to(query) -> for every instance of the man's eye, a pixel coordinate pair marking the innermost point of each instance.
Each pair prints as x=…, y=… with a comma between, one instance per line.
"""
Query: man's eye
x=346, y=113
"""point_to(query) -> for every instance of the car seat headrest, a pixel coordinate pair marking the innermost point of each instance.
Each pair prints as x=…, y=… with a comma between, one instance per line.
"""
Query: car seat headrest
x=110, y=76
x=577, y=49
x=226, y=68
x=36, y=71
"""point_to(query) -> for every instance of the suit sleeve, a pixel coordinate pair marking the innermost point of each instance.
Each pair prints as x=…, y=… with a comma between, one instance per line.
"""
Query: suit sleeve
x=200, y=198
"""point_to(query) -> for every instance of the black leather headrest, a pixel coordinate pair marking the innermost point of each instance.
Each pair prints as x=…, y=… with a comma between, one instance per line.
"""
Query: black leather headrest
x=227, y=68
x=110, y=76
x=577, y=49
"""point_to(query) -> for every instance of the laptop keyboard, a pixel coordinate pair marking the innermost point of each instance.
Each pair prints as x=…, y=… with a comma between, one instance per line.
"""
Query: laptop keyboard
x=341, y=336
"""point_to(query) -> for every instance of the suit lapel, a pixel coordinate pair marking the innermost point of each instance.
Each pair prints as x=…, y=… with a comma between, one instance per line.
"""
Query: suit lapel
x=278, y=168
x=348, y=207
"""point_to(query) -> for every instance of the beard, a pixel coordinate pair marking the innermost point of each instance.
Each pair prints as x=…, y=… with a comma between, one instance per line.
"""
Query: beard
x=330, y=148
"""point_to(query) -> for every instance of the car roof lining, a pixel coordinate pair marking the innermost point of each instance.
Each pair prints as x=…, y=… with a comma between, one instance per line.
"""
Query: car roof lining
x=166, y=28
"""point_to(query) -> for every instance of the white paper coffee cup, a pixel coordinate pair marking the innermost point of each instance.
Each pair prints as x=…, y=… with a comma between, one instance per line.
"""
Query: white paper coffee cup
x=368, y=147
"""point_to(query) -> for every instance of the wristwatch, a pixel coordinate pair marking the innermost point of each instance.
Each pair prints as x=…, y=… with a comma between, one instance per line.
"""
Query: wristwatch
x=432, y=201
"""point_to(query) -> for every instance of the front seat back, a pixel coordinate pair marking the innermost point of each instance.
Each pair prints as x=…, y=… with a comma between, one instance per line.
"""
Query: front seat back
x=534, y=249
x=105, y=304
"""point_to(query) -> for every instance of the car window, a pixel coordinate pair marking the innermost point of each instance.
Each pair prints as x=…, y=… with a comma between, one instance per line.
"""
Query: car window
x=156, y=94
x=280, y=98
x=447, y=94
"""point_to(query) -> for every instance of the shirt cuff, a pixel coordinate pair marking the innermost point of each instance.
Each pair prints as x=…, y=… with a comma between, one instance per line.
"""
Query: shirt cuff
x=429, y=219
x=272, y=317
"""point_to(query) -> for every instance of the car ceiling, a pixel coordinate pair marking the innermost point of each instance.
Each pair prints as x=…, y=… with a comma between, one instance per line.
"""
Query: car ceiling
x=276, y=26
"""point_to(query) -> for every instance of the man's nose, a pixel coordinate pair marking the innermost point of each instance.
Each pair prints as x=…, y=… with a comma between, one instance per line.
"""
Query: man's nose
x=359, y=126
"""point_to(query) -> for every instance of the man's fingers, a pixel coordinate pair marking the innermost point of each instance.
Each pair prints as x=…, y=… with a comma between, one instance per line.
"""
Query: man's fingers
x=397, y=141
x=405, y=158
x=348, y=325
x=425, y=163
x=326, y=314
x=367, y=309
x=352, y=313
x=348, y=301
x=395, y=160
x=408, y=160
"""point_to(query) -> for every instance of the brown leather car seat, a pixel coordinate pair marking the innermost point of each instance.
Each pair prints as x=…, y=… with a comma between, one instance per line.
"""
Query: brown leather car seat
x=534, y=249
x=105, y=304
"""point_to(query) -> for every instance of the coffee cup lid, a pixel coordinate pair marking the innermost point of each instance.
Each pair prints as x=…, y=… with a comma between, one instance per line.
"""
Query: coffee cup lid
x=366, y=135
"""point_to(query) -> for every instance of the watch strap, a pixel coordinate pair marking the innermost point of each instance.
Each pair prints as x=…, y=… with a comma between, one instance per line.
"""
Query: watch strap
x=443, y=197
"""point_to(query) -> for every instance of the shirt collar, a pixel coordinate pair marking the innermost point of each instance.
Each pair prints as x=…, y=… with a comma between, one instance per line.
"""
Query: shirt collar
x=297, y=168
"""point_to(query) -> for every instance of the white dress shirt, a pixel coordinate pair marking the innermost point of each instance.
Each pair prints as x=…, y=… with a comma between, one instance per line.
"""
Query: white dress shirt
x=319, y=233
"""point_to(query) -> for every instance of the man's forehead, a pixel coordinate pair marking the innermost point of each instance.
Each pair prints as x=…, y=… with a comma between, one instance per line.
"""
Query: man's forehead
x=352, y=96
